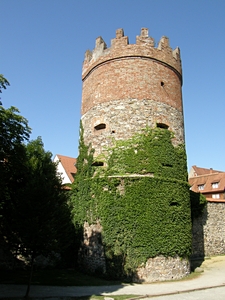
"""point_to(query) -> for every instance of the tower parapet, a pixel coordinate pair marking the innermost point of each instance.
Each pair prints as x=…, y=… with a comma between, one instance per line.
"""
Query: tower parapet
x=120, y=48
x=128, y=87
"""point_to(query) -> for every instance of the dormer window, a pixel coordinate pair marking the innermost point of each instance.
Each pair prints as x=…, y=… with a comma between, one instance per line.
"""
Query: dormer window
x=100, y=126
x=201, y=187
x=215, y=185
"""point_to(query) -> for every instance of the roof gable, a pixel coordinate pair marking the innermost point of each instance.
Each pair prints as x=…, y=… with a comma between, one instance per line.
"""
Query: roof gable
x=68, y=164
x=197, y=171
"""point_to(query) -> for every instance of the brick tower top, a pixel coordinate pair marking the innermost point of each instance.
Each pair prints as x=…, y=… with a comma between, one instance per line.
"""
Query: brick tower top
x=120, y=48
x=128, y=87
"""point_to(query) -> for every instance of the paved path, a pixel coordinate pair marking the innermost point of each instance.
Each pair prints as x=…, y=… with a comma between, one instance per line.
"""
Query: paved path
x=212, y=279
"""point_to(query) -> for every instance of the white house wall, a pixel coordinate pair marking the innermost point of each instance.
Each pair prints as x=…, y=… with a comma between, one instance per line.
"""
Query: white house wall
x=62, y=172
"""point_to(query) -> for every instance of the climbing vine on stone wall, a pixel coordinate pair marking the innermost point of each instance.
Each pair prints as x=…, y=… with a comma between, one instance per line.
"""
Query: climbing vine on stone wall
x=141, y=199
x=149, y=152
x=81, y=186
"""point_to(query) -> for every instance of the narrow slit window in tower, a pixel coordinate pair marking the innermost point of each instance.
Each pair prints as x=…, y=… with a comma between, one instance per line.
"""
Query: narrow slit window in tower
x=162, y=125
x=100, y=126
x=98, y=164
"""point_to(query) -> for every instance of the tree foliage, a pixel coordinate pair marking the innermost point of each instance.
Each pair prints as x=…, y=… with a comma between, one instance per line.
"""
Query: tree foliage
x=41, y=210
x=36, y=219
x=35, y=216
x=3, y=82
x=14, y=132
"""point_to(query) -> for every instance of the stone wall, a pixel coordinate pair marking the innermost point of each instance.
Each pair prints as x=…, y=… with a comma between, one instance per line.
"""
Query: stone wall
x=209, y=231
x=127, y=117
x=208, y=240
x=162, y=268
x=91, y=255
x=159, y=268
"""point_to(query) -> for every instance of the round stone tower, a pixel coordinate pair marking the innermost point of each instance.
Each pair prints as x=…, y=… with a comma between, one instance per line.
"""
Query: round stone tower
x=128, y=87
x=137, y=216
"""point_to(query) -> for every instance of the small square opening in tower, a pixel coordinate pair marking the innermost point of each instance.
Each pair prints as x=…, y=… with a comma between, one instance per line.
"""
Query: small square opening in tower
x=98, y=164
x=100, y=126
x=162, y=125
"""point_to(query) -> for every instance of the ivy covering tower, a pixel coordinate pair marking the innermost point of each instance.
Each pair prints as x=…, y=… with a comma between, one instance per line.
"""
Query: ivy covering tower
x=132, y=197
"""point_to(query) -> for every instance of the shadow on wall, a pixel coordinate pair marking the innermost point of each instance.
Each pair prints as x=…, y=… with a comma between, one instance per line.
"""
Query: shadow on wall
x=199, y=218
x=91, y=258
x=95, y=258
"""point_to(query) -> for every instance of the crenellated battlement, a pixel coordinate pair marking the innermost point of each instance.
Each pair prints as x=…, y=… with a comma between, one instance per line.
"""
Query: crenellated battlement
x=121, y=49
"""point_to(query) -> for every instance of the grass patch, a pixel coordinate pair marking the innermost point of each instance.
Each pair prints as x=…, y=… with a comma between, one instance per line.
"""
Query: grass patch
x=53, y=278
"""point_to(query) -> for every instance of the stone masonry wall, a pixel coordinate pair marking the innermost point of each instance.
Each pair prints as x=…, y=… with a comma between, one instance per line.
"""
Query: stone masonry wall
x=127, y=117
x=91, y=255
x=209, y=231
x=162, y=268
x=159, y=268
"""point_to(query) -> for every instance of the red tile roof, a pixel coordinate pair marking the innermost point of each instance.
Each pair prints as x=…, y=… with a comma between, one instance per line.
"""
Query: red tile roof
x=207, y=180
x=206, y=177
x=68, y=165
x=203, y=171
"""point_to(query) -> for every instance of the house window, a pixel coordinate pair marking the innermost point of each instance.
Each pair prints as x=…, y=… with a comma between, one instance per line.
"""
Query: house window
x=216, y=196
x=100, y=126
x=201, y=187
x=215, y=185
x=162, y=125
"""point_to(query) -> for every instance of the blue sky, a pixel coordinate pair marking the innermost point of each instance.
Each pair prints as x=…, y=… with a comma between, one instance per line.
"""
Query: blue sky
x=42, y=49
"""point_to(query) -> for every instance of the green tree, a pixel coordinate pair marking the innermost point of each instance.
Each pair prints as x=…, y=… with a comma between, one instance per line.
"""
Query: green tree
x=3, y=83
x=34, y=213
x=14, y=132
x=40, y=216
